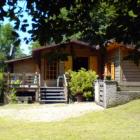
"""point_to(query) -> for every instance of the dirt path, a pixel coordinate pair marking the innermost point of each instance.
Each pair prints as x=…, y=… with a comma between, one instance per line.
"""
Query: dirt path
x=49, y=113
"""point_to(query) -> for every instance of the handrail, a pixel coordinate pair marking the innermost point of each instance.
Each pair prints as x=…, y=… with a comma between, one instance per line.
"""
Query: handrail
x=58, y=80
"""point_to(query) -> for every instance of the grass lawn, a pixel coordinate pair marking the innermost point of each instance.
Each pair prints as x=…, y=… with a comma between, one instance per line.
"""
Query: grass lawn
x=119, y=123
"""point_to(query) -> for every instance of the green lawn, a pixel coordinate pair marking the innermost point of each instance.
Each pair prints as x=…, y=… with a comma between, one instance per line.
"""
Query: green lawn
x=119, y=123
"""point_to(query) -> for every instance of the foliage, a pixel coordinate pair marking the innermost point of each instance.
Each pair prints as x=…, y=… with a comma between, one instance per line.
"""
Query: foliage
x=16, y=82
x=8, y=37
x=12, y=96
x=19, y=53
x=88, y=95
x=94, y=21
x=82, y=81
x=56, y=21
x=1, y=86
x=53, y=20
x=125, y=26
x=9, y=43
x=34, y=45
x=108, y=77
x=101, y=17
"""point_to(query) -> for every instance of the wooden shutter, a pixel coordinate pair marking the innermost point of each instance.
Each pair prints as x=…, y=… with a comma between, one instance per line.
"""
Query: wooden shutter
x=93, y=63
x=68, y=64
x=105, y=70
x=112, y=71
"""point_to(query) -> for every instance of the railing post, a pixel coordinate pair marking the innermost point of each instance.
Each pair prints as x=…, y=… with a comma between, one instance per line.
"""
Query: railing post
x=66, y=88
x=37, y=94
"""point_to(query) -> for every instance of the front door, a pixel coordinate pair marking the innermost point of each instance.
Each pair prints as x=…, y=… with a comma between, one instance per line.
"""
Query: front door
x=80, y=62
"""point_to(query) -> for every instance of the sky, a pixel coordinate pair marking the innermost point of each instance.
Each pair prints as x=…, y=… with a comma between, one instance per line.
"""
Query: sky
x=22, y=35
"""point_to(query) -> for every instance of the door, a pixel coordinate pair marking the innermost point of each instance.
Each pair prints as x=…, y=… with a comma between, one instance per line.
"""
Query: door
x=80, y=62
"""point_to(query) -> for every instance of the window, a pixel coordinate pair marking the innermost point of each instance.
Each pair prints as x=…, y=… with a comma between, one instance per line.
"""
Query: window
x=51, y=70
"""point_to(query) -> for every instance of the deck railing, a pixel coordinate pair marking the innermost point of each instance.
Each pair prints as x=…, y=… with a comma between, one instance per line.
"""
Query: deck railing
x=24, y=80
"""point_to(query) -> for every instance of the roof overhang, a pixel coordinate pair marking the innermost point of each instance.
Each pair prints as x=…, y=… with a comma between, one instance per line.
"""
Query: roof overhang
x=53, y=46
x=18, y=59
x=114, y=45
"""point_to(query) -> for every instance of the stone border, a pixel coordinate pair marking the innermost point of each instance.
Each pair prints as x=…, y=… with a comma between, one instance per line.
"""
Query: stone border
x=106, y=94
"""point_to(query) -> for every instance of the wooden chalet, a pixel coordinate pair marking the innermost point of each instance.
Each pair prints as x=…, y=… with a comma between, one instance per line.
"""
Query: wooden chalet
x=44, y=79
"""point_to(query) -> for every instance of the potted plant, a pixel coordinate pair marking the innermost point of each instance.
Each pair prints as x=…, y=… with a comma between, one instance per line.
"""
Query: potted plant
x=108, y=77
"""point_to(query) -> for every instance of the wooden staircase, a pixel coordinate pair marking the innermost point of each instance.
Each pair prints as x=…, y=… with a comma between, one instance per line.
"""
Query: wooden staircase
x=52, y=95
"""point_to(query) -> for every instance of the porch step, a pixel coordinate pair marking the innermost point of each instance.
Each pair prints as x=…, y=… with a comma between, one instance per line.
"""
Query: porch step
x=52, y=95
x=55, y=97
x=53, y=101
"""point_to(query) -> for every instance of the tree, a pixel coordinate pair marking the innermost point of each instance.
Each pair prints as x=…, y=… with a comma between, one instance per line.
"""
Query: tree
x=125, y=26
x=56, y=21
x=9, y=43
x=34, y=45
x=19, y=53
x=53, y=21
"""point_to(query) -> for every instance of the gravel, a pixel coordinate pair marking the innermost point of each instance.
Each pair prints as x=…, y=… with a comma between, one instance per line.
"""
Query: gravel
x=49, y=113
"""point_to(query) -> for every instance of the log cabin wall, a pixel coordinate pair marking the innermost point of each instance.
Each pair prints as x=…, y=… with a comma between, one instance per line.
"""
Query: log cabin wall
x=73, y=51
x=130, y=71
x=123, y=70
x=83, y=51
x=24, y=66
x=113, y=64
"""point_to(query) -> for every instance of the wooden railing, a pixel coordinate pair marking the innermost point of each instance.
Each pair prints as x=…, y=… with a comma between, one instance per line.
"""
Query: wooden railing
x=24, y=80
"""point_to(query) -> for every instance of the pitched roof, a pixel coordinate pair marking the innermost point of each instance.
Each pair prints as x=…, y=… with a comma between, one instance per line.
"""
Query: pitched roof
x=66, y=43
x=114, y=45
x=77, y=42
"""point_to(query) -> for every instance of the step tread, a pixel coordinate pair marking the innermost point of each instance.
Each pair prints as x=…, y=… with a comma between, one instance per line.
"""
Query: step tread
x=61, y=93
x=55, y=97
x=51, y=87
x=52, y=91
x=52, y=100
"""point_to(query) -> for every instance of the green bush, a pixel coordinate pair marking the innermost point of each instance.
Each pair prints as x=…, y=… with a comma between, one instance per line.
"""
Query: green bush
x=12, y=96
x=88, y=95
x=81, y=82
x=1, y=87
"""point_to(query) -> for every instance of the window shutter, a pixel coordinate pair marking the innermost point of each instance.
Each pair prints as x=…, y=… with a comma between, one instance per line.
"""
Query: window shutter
x=112, y=71
x=93, y=63
x=68, y=64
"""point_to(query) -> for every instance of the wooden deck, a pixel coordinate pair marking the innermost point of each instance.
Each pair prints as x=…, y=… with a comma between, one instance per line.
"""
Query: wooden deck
x=23, y=83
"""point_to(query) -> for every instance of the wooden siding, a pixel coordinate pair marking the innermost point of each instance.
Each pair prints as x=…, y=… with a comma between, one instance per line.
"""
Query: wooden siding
x=25, y=66
x=113, y=64
x=61, y=68
x=117, y=63
x=72, y=51
x=130, y=71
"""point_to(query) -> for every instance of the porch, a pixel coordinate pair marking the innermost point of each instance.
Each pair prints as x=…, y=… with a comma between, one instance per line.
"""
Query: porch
x=29, y=89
